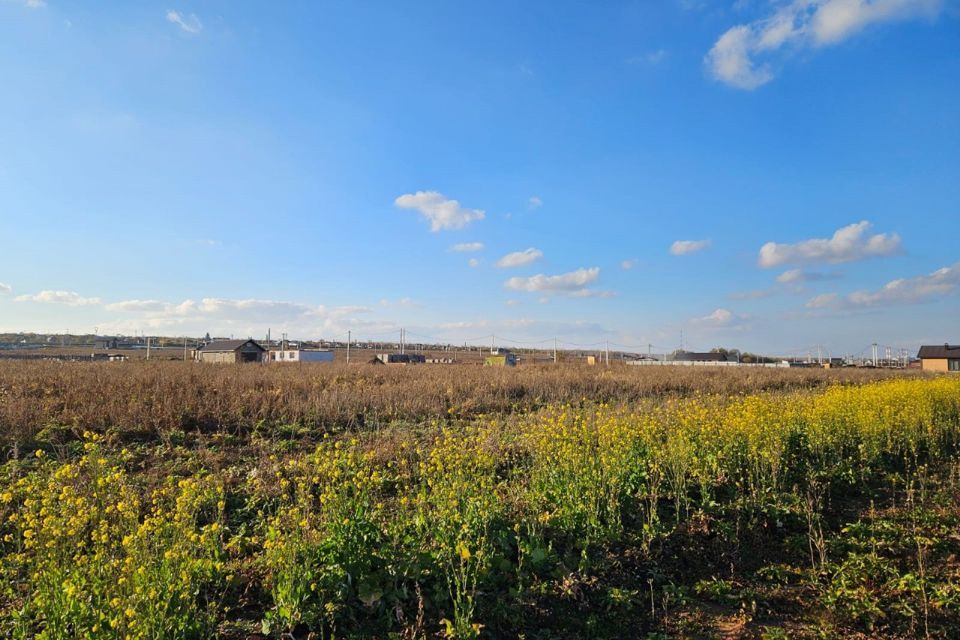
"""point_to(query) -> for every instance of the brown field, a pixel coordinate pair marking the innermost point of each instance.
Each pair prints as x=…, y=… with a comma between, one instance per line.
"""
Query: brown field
x=150, y=398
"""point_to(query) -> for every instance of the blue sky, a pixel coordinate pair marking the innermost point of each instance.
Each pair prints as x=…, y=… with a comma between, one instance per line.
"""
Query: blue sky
x=618, y=170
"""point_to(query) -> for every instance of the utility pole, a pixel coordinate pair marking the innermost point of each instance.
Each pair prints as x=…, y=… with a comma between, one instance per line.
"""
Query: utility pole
x=608, y=352
x=184, y=348
x=874, y=345
x=819, y=355
x=493, y=343
x=554, y=351
x=348, y=347
x=148, y=347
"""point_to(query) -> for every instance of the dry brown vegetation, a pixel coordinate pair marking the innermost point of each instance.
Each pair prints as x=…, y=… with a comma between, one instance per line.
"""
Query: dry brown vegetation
x=153, y=398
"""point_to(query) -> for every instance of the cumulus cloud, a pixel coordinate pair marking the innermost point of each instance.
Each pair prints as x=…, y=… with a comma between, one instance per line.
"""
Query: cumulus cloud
x=742, y=56
x=847, y=244
x=683, y=247
x=520, y=258
x=720, y=318
x=628, y=264
x=5, y=288
x=69, y=298
x=534, y=202
x=188, y=23
x=442, y=212
x=466, y=247
x=473, y=262
x=565, y=283
x=940, y=283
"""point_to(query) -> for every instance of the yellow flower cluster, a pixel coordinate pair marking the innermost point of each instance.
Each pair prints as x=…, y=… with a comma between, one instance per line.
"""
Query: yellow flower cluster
x=90, y=559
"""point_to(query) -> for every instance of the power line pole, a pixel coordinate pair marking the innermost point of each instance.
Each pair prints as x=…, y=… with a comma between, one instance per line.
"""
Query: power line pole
x=348, y=347
x=554, y=351
x=148, y=347
x=608, y=352
x=184, y=348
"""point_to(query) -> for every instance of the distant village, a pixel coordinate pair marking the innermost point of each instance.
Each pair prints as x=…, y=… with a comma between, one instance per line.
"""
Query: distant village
x=28, y=346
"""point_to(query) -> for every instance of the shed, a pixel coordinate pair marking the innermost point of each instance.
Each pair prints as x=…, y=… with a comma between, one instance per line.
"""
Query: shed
x=301, y=355
x=943, y=357
x=693, y=356
x=501, y=358
x=231, y=351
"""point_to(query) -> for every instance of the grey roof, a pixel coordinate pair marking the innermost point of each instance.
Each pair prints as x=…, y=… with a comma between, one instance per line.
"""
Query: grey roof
x=227, y=345
x=690, y=356
x=939, y=351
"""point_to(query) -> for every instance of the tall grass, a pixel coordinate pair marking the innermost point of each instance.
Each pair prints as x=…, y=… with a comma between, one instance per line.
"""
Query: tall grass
x=152, y=399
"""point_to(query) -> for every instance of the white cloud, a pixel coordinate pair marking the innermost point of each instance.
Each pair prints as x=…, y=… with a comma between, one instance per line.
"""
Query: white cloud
x=940, y=283
x=822, y=301
x=846, y=245
x=227, y=316
x=534, y=202
x=567, y=283
x=655, y=57
x=721, y=318
x=473, y=262
x=683, y=247
x=5, y=288
x=406, y=303
x=30, y=4
x=628, y=264
x=592, y=293
x=753, y=294
x=741, y=56
x=188, y=23
x=799, y=276
x=520, y=258
x=138, y=306
x=69, y=298
x=729, y=60
x=442, y=212
x=466, y=247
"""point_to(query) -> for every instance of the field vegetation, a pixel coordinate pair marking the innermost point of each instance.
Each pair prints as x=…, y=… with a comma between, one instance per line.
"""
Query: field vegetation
x=156, y=399
x=547, y=503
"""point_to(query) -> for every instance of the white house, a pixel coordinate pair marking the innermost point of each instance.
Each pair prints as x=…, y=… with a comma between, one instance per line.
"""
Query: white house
x=301, y=355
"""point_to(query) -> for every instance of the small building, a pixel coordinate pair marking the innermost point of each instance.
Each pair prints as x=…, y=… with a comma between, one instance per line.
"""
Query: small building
x=500, y=358
x=231, y=351
x=939, y=357
x=693, y=356
x=301, y=355
x=400, y=358
x=104, y=343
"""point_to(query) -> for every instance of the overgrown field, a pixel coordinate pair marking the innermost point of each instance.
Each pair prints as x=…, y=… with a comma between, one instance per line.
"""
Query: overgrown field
x=771, y=507
x=152, y=399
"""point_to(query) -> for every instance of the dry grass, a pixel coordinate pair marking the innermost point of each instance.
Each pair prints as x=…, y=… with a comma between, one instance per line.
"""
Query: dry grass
x=151, y=399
